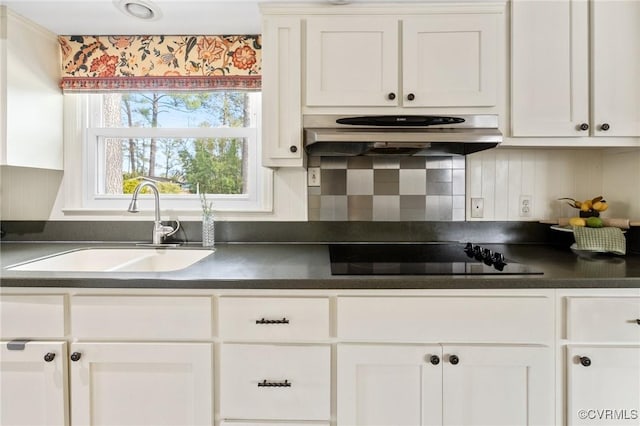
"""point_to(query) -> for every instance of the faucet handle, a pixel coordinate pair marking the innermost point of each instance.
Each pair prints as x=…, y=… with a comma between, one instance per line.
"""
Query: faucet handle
x=169, y=231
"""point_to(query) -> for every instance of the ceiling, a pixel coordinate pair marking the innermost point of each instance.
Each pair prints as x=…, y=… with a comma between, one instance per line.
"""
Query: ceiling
x=100, y=17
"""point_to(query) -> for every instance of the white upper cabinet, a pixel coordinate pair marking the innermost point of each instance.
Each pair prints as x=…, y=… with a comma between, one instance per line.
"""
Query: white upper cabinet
x=352, y=61
x=550, y=79
x=30, y=99
x=615, y=68
x=575, y=67
x=281, y=86
x=443, y=59
x=450, y=60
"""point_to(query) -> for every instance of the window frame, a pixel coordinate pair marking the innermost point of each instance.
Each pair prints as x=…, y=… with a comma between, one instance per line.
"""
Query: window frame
x=88, y=128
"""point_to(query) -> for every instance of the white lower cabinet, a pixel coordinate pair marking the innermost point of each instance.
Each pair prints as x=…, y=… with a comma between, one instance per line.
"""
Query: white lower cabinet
x=33, y=384
x=141, y=384
x=355, y=358
x=603, y=385
x=271, y=424
x=497, y=385
x=389, y=385
x=602, y=358
x=444, y=385
x=275, y=382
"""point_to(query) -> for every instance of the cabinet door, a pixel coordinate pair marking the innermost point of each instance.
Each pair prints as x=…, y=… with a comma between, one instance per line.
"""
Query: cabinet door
x=352, y=61
x=450, y=60
x=389, y=385
x=33, y=389
x=141, y=384
x=603, y=385
x=549, y=68
x=497, y=385
x=281, y=98
x=616, y=67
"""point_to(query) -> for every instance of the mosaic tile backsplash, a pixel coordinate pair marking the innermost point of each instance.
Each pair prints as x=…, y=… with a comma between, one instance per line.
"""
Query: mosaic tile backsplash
x=388, y=189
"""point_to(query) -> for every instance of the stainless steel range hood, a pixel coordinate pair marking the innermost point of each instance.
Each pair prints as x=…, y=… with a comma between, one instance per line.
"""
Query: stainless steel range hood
x=339, y=136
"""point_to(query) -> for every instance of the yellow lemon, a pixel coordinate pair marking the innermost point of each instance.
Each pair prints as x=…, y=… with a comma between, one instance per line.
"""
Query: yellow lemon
x=600, y=206
x=577, y=221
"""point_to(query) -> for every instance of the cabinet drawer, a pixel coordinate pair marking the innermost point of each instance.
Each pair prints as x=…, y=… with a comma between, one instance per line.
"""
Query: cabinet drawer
x=603, y=319
x=255, y=318
x=257, y=423
x=249, y=375
x=32, y=316
x=446, y=319
x=141, y=317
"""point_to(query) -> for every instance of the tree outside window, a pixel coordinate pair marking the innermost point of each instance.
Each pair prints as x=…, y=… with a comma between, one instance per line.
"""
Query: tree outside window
x=180, y=165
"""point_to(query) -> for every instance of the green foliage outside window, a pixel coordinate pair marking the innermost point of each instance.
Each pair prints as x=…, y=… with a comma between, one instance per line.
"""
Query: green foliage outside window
x=205, y=165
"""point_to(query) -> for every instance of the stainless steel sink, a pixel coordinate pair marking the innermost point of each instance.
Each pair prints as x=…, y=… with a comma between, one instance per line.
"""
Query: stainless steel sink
x=115, y=260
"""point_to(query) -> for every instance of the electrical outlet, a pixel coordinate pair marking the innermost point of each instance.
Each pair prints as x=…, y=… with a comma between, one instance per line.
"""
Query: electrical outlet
x=313, y=176
x=477, y=207
x=526, y=206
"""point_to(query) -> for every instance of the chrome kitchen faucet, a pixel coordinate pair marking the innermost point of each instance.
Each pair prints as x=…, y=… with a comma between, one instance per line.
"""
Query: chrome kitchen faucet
x=160, y=231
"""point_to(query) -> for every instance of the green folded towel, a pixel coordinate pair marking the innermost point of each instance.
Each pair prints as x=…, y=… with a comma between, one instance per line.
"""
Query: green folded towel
x=607, y=239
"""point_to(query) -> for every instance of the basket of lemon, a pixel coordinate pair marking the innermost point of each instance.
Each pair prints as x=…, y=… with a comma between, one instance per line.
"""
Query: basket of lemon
x=590, y=210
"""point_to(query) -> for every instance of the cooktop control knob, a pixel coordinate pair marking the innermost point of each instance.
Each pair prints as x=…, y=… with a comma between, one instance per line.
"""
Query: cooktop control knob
x=477, y=252
x=487, y=256
x=468, y=248
x=498, y=261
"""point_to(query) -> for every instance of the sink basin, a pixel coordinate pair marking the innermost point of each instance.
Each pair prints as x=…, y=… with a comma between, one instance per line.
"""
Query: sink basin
x=115, y=260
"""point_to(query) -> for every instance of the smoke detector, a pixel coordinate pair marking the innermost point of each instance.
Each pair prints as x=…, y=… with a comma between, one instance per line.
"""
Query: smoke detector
x=139, y=9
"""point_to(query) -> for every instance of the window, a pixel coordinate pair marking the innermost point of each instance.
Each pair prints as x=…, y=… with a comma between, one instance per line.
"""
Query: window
x=188, y=143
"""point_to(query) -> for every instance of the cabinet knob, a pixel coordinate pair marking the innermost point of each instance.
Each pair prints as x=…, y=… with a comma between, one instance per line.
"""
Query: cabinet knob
x=293, y=148
x=49, y=356
x=391, y=96
x=584, y=126
x=435, y=359
x=453, y=359
x=605, y=127
x=638, y=321
x=411, y=96
x=585, y=361
x=76, y=356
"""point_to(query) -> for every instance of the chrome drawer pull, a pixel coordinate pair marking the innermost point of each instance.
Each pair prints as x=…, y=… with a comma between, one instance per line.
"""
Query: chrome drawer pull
x=265, y=384
x=278, y=321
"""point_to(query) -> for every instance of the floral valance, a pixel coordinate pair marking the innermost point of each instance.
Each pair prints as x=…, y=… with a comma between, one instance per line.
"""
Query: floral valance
x=100, y=63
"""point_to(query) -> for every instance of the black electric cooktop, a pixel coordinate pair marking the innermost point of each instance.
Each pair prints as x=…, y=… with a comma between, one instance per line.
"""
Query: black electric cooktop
x=421, y=259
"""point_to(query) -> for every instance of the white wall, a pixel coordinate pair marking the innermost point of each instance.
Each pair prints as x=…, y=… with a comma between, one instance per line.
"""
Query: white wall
x=28, y=194
x=621, y=182
x=501, y=176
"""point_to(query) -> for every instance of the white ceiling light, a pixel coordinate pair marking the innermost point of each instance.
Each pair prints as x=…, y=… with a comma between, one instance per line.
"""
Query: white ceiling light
x=140, y=9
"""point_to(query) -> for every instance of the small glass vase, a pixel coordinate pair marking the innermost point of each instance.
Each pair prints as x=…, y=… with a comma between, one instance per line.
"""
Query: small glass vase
x=208, y=230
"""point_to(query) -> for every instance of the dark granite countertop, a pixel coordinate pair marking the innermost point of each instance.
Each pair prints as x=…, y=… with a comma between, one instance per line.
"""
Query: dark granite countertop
x=306, y=266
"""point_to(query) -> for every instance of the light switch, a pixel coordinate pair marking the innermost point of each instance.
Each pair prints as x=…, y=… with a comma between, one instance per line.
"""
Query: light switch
x=313, y=176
